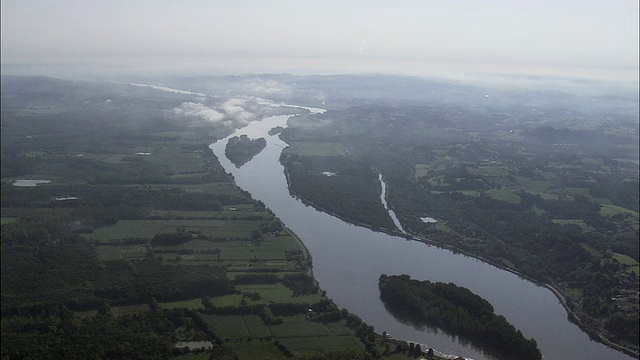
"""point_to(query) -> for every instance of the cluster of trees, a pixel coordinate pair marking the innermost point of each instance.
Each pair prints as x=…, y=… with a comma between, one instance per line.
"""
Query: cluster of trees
x=458, y=311
x=60, y=335
x=172, y=239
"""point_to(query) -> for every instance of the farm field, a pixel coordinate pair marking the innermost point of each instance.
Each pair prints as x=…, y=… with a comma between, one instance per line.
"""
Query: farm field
x=141, y=231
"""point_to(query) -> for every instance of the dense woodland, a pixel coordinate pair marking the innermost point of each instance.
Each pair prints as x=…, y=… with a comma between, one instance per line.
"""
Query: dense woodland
x=458, y=311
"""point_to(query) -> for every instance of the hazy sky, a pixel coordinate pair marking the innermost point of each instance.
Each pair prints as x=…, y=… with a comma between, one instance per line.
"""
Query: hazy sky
x=576, y=38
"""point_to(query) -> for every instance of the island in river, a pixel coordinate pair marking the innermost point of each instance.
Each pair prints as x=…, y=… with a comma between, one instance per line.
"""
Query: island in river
x=241, y=150
x=459, y=312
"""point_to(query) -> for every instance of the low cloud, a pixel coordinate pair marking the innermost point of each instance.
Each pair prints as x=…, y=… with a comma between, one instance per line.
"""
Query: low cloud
x=266, y=87
x=199, y=110
x=229, y=111
x=233, y=109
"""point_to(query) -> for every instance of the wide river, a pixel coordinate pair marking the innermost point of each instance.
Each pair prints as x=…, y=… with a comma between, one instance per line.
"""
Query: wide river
x=348, y=260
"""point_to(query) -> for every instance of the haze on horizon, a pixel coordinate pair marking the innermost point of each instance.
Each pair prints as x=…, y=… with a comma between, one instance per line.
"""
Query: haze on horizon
x=456, y=39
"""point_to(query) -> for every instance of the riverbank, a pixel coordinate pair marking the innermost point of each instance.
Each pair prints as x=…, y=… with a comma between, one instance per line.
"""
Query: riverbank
x=574, y=317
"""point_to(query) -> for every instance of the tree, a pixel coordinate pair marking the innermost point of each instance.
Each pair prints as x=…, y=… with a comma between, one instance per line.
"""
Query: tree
x=104, y=309
x=153, y=304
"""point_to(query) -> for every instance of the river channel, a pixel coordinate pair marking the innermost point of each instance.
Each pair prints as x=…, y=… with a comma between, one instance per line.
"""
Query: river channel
x=348, y=260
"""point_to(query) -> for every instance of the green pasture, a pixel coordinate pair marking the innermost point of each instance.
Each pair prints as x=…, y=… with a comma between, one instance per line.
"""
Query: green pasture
x=440, y=226
x=269, y=255
x=7, y=219
x=581, y=223
x=537, y=210
x=172, y=134
x=217, y=188
x=474, y=193
x=532, y=186
x=607, y=210
x=624, y=259
x=299, y=326
x=183, y=214
x=322, y=343
x=228, y=326
x=282, y=243
x=563, y=166
x=193, y=356
x=628, y=261
x=547, y=196
x=255, y=349
x=490, y=171
x=131, y=309
x=578, y=191
x=256, y=326
x=238, y=255
x=316, y=149
x=130, y=252
x=505, y=195
x=188, y=304
x=177, y=159
x=503, y=181
x=149, y=228
x=421, y=170
x=339, y=328
x=105, y=157
x=227, y=300
x=433, y=181
x=278, y=293
x=127, y=229
x=108, y=253
x=591, y=250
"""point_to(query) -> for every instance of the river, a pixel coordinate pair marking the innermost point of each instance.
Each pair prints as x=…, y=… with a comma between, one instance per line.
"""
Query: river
x=348, y=259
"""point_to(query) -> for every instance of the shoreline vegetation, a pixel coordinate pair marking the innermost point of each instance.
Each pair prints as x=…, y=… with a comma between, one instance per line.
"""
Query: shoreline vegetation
x=572, y=315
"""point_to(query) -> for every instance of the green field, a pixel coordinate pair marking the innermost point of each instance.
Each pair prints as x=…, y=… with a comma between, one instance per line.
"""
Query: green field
x=322, y=343
x=7, y=219
x=629, y=262
x=316, y=148
x=186, y=304
x=229, y=326
x=581, y=223
x=246, y=349
x=421, y=170
x=299, y=326
x=607, y=210
x=503, y=195
x=256, y=327
x=491, y=171
x=278, y=293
